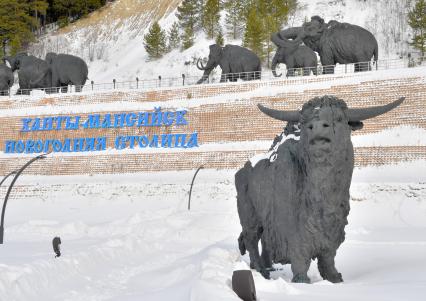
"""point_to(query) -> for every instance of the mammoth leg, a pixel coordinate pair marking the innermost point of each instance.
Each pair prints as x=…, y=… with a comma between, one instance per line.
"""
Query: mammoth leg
x=328, y=269
x=225, y=74
x=306, y=71
x=55, y=81
x=300, y=267
x=328, y=69
x=327, y=61
x=290, y=72
x=64, y=88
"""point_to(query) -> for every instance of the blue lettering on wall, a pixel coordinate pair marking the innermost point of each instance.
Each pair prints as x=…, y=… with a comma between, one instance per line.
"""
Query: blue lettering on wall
x=155, y=118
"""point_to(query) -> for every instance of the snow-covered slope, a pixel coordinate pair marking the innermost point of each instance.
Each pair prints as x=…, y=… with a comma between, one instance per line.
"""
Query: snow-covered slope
x=132, y=238
x=111, y=40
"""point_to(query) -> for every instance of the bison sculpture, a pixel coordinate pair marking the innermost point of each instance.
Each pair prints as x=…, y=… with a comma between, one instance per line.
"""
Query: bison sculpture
x=297, y=205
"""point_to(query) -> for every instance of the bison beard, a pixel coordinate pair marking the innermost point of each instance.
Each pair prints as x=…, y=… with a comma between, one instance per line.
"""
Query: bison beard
x=298, y=204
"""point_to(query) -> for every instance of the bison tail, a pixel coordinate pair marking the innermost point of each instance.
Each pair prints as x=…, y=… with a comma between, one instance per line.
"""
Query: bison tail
x=241, y=244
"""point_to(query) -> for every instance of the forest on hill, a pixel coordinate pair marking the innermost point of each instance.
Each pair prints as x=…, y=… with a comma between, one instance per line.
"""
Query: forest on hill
x=21, y=20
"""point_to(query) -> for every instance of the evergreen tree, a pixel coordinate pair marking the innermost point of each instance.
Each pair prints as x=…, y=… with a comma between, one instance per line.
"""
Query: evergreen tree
x=235, y=17
x=155, y=41
x=174, y=39
x=219, y=38
x=254, y=36
x=66, y=8
x=15, y=25
x=37, y=9
x=199, y=12
x=417, y=21
x=274, y=14
x=187, y=38
x=188, y=14
x=211, y=17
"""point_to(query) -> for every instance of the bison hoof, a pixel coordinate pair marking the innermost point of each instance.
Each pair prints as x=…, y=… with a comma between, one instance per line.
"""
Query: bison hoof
x=301, y=279
x=265, y=274
x=336, y=278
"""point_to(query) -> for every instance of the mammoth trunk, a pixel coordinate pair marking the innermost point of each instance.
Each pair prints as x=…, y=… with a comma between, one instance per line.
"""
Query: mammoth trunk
x=205, y=76
x=281, y=39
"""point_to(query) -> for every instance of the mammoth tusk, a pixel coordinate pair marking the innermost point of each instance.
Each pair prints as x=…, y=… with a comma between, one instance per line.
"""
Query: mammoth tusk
x=366, y=113
x=200, y=63
x=280, y=115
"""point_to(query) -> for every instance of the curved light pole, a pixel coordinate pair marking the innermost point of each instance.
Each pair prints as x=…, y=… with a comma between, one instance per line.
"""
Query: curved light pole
x=18, y=173
x=192, y=183
x=7, y=176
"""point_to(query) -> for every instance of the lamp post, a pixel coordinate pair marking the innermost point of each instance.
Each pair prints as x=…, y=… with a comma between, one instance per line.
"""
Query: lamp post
x=192, y=184
x=18, y=173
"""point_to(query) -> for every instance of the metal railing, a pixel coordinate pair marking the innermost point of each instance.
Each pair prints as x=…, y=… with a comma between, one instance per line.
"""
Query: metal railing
x=184, y=80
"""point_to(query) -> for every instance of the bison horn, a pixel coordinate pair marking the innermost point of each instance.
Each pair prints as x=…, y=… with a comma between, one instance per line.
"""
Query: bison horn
x=280, y=115
x=366, y=113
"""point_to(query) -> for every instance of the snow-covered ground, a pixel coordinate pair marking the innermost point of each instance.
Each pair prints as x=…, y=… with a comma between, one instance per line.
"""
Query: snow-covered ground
x=131, y=237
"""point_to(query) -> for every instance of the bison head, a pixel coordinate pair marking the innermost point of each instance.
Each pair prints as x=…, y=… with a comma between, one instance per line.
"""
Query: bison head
x=326, y=123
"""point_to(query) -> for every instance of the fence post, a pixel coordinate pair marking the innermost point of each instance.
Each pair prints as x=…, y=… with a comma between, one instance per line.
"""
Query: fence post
x=137, y=82
x=92, y=83
x=183, y=79
x=113, y=81
x=159, y=81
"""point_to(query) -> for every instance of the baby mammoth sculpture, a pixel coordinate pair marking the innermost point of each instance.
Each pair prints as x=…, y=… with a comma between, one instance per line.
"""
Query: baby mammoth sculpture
x=235, y=61
x=293, y=56
x=335, y=42
x=6, y=79
x=67, y=70
x=297, y=205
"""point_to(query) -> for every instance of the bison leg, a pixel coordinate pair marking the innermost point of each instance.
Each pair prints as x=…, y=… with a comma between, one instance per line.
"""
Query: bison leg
x=266, y=256
x=300, y=267
x=328, y=269
x=251, y=243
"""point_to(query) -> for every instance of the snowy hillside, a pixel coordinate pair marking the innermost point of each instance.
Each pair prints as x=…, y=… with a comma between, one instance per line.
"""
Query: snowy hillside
x=111, y=40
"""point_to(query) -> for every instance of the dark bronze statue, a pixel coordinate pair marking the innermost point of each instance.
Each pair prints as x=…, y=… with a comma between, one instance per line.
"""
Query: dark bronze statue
x=297, y=205
x=67, y=70
x=293, y=55
x=335, y=42
x=6, y=79
x=235, y=61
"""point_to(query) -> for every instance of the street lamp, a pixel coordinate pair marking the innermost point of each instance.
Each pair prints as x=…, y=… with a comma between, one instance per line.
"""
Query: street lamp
x=18, y=173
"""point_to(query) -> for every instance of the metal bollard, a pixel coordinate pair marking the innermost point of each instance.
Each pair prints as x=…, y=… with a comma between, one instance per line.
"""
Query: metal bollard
x=183, y=79
x=113, y=82
x=159, y=80
x=92, y=83
x=137, y=82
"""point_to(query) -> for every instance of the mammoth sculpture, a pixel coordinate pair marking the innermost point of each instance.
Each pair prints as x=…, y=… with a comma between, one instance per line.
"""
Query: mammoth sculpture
x=235, y=62
x=33, y=73
x=298, y=204
x=335, y=42
x=293, y=56
x=67, y=70
x=6, y=79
